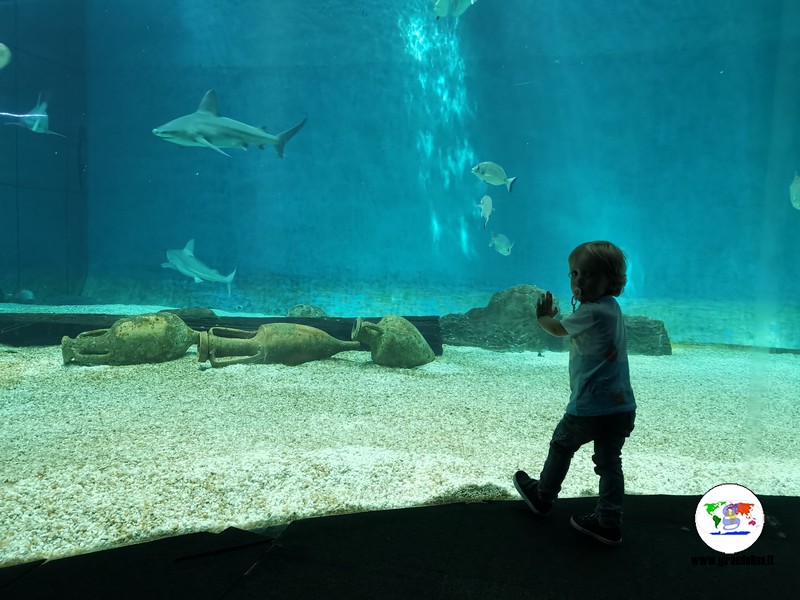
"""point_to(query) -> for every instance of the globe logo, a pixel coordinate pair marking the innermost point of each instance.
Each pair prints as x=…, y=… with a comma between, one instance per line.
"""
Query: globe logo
x=729, y=518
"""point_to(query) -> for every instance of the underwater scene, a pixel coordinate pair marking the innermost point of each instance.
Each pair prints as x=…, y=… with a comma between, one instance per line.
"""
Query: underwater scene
x=351, y=209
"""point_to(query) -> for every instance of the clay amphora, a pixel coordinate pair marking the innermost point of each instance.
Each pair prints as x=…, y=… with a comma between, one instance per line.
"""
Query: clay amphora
x=286, y=343
x=394, y=342
x=131, y=340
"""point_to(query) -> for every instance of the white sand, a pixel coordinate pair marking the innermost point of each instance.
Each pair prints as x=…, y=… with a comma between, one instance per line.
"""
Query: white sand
x=92, y=457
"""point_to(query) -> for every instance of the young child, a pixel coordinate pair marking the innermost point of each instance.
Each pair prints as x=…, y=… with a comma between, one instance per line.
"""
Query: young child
x=601, y=406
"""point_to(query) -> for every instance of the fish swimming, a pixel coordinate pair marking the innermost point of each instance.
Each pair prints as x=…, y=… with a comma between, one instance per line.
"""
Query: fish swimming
x=794, y=191
x=486, y=209
x=36, y=120
x=451, y=8
x=493, y=174
x=501, y=243
x=184, y=261
x=20, y=296
x=5, y=55
x=205, y=128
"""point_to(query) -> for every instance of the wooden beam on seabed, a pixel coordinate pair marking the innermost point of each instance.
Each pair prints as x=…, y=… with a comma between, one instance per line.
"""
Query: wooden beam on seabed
x=47, y=329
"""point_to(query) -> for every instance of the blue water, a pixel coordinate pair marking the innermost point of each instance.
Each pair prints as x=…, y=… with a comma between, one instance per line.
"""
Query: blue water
x=672, y=129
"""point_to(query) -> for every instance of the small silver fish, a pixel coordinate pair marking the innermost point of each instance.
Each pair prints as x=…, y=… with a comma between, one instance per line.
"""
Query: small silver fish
x=493, y=174
x=501, y=243
x=486, y=209
x=794, y=191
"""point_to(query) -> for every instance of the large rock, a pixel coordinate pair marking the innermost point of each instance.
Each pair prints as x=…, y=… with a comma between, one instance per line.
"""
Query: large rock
x=647, y=336
x=306, y=310
x=508, y=323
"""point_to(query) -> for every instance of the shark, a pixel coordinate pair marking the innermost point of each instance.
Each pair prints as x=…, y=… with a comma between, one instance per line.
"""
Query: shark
x=205, y=128
x=37, y=120
x=183, y=260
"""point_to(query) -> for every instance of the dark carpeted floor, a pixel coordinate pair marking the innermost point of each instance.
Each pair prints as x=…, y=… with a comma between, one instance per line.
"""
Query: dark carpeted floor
x=462, y=551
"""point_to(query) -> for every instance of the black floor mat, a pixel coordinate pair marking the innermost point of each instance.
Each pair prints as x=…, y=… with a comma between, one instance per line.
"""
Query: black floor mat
x=480, y=550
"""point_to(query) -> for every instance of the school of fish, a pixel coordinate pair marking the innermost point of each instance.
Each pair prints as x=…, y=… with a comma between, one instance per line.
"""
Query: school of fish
x=493, y=174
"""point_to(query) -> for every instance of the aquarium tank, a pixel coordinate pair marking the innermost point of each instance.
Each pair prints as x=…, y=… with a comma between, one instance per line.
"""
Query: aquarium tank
x=411, y=158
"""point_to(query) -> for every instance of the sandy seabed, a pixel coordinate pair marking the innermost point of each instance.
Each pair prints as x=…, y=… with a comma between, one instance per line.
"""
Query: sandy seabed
x=96, y=457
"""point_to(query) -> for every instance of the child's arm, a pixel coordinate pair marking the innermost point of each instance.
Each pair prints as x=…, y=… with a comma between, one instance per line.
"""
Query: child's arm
x=545, y=311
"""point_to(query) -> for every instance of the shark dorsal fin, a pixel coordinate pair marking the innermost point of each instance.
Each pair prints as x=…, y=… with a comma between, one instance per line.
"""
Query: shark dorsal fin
x=209, y=103
x=189, y=247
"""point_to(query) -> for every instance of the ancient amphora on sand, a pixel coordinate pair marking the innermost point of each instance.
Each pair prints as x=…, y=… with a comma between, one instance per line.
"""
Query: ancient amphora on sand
x=285, y=343
x=394, y=342
x=133, y=340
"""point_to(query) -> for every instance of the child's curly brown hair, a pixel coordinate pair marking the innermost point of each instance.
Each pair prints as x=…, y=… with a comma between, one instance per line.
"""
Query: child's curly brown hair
x=608, y=259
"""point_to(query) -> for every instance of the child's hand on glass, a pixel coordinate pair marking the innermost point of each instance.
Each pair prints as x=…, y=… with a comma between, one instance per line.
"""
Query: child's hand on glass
x=544, y=306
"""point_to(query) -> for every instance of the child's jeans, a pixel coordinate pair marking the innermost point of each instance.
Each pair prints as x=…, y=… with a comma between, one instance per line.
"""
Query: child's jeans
x=608, y=433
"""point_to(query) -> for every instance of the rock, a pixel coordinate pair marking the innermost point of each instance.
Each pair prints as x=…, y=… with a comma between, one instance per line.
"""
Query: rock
x=647, y=336
x=508, y=322
x=306, y=310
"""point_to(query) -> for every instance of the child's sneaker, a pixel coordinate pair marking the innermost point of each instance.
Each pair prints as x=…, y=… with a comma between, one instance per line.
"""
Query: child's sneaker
x=590, y=525
x=529, y=490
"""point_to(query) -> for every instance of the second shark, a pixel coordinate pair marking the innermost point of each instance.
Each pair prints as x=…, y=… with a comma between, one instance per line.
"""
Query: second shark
x=205, y=127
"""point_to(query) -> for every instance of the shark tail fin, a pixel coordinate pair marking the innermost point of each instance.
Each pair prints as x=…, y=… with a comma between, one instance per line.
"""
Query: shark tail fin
x=229, y=279
x=287, y=135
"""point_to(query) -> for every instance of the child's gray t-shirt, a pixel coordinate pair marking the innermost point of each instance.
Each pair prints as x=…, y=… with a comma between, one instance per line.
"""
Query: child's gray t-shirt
x=598, y=360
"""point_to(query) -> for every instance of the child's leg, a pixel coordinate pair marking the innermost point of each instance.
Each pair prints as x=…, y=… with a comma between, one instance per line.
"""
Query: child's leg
x=567, y=438
x=608, y=465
